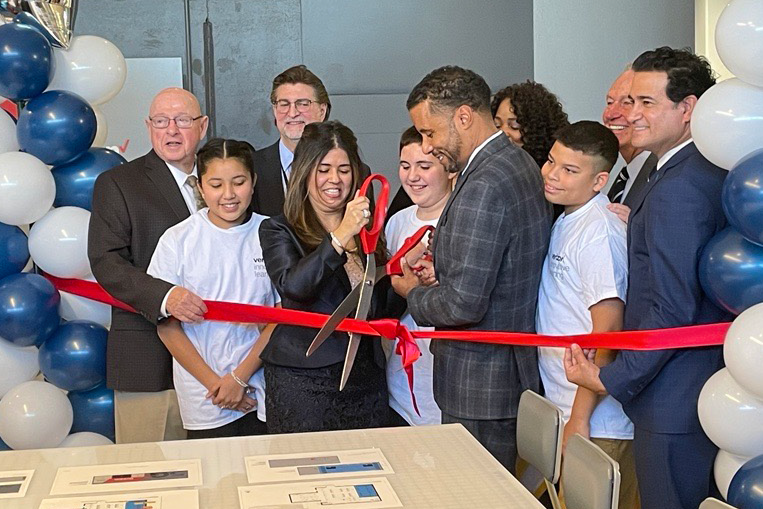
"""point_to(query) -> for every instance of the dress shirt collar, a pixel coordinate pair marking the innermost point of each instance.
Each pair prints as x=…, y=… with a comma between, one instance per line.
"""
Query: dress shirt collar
x=287, y=156
x=670, y=153
x=477, y=150
x=179, y=175
x=637, y=163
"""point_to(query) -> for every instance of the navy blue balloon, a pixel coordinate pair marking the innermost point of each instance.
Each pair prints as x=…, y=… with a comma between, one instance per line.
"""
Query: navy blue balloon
x=93, y=411
x=743, y=197
x=731, y=271
x=56, y=127
x=746, y=488
x=75, y=180
x=26, y=18
x=14, y=250
x=28, y=309
x=74, y=357
x=26, y=62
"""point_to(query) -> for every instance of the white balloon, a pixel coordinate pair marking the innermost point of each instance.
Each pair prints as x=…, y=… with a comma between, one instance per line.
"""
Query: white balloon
x=74, y=307
x=726, y=465
x=58, y=242
x=743, y=350
x=91, y=67
x=85, y=439
x=8, y=140
x=739, y=39
x=102, y=131
x=727, y=122
x=18, y=364
x=35, y=415
x=731, y=417
x=28, y=189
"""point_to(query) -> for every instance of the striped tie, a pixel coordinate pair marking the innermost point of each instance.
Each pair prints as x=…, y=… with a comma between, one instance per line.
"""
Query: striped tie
x=615, y=193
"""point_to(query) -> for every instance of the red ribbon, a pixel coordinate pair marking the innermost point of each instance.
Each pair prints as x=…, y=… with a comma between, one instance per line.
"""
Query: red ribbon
x=408, y=349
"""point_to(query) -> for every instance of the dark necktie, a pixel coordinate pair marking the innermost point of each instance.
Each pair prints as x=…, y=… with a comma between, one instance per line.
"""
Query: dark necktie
x=615, y=193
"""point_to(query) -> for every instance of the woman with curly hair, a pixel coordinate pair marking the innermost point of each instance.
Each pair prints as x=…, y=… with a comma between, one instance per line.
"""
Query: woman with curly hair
x=530, y=115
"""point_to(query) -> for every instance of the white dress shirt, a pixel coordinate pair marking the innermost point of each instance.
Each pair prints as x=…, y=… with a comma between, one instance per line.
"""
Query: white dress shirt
x=670, y=153
x=287, y=157
x=634, y=168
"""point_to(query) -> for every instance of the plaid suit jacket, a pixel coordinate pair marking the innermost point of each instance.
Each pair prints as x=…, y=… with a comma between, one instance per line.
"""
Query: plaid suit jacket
x=488, y=253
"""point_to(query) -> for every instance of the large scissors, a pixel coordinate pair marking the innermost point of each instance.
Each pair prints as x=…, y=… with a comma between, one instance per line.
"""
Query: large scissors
x=359, y=299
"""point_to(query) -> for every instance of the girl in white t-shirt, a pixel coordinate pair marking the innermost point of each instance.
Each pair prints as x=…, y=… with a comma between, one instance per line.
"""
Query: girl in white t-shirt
x=428, y=184
x=216, y=254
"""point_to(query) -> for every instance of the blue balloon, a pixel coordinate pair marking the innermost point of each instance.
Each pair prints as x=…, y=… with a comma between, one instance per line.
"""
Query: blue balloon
x=743, y=197
x=75, y=180
x=94, y=411
x=26, y=62
x=731, y=271
x=26, y=18
x=746, y=488
x=56, y=127
x=74, y=357
x=28, y=309
x=14, y=251
x=4, y=446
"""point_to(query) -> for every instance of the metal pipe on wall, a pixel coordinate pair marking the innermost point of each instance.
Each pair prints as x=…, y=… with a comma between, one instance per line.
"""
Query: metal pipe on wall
x=209, y=77
x=188, y=61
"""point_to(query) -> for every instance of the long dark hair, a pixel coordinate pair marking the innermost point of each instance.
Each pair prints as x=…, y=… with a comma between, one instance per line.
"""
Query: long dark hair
x=318, y=139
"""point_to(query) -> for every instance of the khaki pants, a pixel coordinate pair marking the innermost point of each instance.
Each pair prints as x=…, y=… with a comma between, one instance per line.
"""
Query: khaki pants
x=622, y=452
x=147, y=417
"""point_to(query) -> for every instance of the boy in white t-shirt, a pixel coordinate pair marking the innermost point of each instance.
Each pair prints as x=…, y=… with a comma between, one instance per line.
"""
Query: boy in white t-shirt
x=216, y=254
x=583, y=285
x=428, y=184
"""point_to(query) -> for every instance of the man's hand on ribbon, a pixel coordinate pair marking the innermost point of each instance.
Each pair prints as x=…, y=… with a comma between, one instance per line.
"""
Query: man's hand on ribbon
x=581, y=370
x=407, y=282
x=185, y=305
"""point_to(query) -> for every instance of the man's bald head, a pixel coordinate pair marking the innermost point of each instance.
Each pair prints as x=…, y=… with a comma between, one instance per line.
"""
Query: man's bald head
x=176, y=145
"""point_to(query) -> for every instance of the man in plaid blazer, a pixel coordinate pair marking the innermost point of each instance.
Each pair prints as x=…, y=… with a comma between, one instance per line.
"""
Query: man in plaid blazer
x=488, y=253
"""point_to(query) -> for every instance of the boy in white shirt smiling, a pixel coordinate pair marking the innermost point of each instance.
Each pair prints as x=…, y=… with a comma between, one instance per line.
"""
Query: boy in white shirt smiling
x=583, y=286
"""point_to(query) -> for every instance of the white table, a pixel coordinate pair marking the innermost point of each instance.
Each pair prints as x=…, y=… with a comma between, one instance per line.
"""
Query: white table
x=435, y=466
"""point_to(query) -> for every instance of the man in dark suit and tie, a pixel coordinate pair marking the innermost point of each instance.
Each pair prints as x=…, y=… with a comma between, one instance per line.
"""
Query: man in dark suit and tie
x=677, y=213
x=628, y=180
x=488, y=251
x=133, y=205
x=298, y=98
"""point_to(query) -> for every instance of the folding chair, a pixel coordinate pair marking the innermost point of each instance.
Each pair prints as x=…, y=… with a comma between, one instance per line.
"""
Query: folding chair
x=590, y=478
x=714, y=503
x=539, y=438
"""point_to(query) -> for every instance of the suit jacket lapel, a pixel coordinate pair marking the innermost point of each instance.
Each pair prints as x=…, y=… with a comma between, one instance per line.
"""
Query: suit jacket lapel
x=677, y=158
x=640, y=182
x=160, y=175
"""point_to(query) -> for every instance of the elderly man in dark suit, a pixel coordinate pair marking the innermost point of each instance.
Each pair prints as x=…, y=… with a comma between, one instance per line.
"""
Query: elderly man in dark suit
x=133, y=205
x=678, y=212
x=488, y=252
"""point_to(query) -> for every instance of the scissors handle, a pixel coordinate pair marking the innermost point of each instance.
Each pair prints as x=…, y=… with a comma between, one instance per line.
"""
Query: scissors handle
x=393, y=265
x=369, y=237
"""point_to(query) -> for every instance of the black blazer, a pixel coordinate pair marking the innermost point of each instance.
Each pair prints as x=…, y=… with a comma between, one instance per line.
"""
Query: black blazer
x=133, y=205
x=268, y=198
x=677, y=213
x=315, y=282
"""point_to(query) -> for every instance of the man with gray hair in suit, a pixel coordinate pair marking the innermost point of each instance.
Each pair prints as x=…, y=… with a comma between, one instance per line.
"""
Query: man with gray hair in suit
x=488, y=251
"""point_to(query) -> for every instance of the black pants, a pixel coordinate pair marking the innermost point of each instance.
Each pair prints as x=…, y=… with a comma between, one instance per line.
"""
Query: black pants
x=244, y=426
x=498, y=436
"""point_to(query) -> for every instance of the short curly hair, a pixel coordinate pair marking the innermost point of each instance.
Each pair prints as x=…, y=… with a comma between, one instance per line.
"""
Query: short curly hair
x=450, y=87
x=539, y=115
x=688, y=74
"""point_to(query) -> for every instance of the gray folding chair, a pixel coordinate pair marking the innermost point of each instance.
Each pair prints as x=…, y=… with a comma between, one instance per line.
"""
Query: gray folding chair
x=539, y=438
x=590, y=478
x=714, y=503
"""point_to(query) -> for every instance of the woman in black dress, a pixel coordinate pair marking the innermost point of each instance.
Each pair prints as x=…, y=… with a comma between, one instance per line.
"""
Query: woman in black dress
x=311, y=255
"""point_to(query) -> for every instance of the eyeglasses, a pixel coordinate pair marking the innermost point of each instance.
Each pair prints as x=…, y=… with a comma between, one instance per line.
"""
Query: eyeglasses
x=183, y=121
x=282, y=105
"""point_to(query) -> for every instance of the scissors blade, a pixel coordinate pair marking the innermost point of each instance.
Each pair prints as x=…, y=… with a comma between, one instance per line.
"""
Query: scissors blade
x=340, y=313
x=364, y=304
